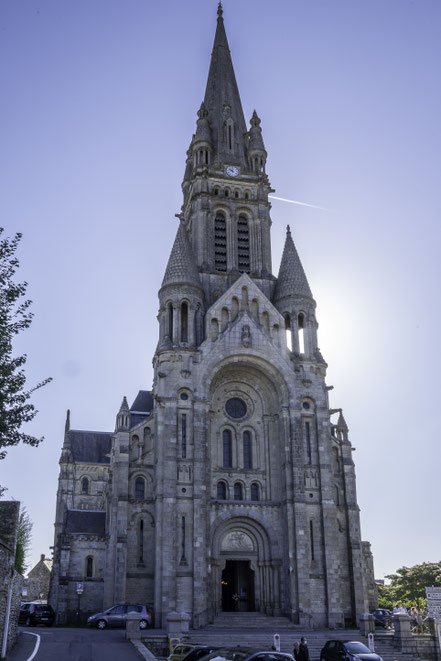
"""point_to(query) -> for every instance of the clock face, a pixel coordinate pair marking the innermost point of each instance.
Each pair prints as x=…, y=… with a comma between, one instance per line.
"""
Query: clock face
x=232, y=170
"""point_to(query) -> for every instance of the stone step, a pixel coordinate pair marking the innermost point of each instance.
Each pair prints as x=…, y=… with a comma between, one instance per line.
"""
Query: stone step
x=263, y=638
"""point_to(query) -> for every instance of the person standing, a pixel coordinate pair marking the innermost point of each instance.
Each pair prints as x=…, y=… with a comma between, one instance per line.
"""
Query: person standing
x=303, y=654
x=295, y=651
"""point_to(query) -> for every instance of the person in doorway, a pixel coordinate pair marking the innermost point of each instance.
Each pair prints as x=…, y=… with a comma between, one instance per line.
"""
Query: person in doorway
x=303, y=654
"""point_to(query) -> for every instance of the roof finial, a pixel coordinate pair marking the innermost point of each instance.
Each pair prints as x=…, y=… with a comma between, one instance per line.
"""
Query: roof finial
x=219, y=10
x=67, y=425
x=288, y=230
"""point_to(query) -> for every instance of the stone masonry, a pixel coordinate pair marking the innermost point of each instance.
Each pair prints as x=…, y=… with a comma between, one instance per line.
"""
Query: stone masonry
x=231, y=485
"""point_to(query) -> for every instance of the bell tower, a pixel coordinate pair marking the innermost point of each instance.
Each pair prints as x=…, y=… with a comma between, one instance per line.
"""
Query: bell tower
x=226, y=207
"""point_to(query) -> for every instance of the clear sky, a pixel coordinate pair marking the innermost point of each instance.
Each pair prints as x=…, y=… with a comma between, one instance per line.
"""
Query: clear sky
x=99, y=101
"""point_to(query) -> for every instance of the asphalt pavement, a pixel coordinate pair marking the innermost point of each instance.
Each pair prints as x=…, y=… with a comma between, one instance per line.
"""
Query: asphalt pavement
x=69, y=644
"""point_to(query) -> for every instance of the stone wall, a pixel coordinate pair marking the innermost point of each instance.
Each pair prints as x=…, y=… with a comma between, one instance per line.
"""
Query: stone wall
x=10, y=580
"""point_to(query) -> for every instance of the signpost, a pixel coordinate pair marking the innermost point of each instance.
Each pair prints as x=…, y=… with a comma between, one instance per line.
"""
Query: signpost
x=80, y=590
x=433, y=596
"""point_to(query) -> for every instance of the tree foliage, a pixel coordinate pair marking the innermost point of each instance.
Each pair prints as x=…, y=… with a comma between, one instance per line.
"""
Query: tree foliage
x=15, y=316
x=408, y=585
x=24, y=537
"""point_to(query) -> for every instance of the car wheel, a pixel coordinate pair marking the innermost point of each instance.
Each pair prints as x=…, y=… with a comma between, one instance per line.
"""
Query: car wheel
x=101, y=624
x=143, y=624
x=48, y=624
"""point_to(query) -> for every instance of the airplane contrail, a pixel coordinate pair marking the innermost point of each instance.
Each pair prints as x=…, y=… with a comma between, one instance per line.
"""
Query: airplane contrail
x=302, y=204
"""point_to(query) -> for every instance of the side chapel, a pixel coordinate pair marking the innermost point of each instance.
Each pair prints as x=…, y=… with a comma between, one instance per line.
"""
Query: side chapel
x=228, y=486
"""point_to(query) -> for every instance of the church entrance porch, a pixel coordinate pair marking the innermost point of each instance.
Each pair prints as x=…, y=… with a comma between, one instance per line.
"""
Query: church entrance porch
x=237, y=586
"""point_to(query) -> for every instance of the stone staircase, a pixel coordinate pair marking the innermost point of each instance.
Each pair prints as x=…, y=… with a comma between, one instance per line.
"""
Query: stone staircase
x=257, y=631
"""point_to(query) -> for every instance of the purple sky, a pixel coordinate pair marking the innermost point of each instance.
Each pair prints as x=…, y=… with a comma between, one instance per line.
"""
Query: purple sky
x=99, y=101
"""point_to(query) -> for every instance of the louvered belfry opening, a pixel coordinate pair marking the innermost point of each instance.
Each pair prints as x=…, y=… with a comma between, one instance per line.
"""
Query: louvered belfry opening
x=220, y=242
x=243, y=245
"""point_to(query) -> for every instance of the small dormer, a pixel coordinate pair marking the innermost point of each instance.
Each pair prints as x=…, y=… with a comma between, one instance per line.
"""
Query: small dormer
x=256, y=149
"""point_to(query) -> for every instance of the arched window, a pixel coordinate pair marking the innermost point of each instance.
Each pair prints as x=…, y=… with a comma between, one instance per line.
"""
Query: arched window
x=247, y=450
x=243, y=244
x=85, y=485
x=301, y=324
x=221, y=491
x=170, y=320
x=308, y=441
x=184, y=322
x=220, y=242
x=227, y=449
x=238, y=491
x=141, y=542
x=255, y=495
x=89, y=566
x=230, y=136
x=288, y=331
x=140, y=488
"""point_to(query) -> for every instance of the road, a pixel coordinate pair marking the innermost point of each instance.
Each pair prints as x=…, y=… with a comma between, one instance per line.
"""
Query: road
x=65, y=644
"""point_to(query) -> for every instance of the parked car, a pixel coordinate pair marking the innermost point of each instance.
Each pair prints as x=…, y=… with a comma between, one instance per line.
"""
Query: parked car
x=32, y=614
x=198, y=652
x=117, y=616
x=383, y=617
x=338, y=650
x=181, y=651
x=246, y=654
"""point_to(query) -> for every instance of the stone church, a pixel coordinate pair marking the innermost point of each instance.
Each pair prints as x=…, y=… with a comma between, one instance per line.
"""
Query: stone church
x=230, y=486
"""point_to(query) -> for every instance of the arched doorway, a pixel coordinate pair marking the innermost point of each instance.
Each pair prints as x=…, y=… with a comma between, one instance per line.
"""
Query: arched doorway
x=237, y=586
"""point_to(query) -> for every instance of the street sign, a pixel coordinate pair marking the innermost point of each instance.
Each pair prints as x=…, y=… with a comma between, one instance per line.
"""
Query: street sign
x=80, y=588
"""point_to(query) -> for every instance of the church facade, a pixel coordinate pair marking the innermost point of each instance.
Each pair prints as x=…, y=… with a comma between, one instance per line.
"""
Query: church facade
x=230, y=486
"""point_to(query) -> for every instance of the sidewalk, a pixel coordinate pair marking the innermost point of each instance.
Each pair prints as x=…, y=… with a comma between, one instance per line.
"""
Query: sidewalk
x=24, y=648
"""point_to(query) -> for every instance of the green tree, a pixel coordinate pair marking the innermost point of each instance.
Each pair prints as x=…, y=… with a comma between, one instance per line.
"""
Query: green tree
x=408, y=583
x=15, y=316
x=24, y=537
x=386, y=598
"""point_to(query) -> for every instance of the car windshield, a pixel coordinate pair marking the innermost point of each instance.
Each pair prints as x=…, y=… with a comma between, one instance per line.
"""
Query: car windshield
x=226, y=654
x=357, y=648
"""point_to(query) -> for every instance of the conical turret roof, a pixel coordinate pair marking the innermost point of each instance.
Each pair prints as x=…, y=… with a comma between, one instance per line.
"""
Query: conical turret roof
x=291, y=280
x=222, y=98
x=181, y=267
x=341, y=423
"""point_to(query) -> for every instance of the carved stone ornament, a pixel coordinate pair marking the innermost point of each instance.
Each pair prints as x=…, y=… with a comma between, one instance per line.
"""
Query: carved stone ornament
x=246, y=336
x=237, y=541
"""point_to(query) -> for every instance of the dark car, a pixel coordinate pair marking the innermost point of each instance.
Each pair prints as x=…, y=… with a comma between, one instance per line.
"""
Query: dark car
x=198, y=652
x=32, y=614
x=246, y=654
x=338, y=650
x=383, y=617
x=117, y=616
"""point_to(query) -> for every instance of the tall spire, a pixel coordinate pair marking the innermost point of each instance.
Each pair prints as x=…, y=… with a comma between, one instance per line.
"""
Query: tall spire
x=181, y=267
x=291, y=280
x=222, y=100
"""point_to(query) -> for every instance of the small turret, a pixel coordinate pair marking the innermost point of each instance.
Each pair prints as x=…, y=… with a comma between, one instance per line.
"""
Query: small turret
x=342, y=428
x=123, y=417
x=66, y=453
x=293, y=298
x=202, y=145
x=180, y=297
x=256, y=149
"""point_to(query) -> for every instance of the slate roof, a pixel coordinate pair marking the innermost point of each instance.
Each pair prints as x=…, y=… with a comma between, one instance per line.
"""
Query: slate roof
x=90, y=447
x=291, y=280
x=86, y=522
x=181, y=267
x=143, y=402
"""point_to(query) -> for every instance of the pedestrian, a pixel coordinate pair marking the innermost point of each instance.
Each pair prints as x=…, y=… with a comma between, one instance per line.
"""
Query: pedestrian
x=295, y=651
x=403, y=609
x=419, y=619
x=413, y=618
x=303, y=654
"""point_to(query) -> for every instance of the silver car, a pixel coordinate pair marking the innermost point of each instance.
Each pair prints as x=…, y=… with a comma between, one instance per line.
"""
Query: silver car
x=117, y=616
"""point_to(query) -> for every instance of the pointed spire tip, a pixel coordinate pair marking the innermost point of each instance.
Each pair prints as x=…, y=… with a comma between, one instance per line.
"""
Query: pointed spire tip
x=219, y=10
